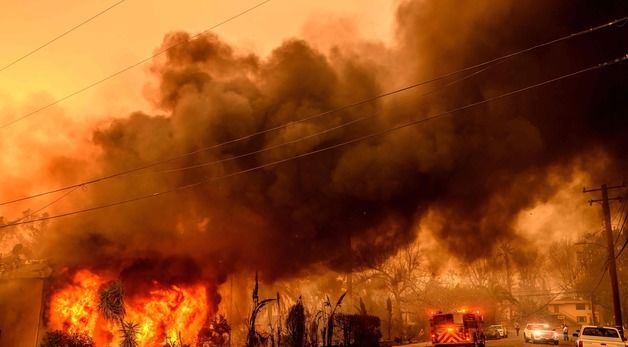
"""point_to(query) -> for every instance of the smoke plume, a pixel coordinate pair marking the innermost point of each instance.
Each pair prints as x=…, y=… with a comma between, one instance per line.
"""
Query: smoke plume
x=471, y=173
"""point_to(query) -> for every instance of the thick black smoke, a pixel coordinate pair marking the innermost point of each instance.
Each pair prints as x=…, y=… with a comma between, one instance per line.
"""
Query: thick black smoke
x=472, y=172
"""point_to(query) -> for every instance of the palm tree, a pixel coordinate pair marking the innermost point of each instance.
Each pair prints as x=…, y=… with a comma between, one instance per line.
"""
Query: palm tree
x=111, y=303
x=129, y=332
x=330, y=319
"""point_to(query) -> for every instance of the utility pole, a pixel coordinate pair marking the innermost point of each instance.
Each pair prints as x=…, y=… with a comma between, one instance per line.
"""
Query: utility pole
x=350, y=271
x=593, y=309
x=612, y=266
x=506, y=251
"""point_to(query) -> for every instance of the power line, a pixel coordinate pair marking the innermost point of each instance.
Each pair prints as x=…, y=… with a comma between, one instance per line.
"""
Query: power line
x=620, y=230
x=119, y=72
x=283, y=144
x=605, y=267
x=545, y=294
x=266, y=149
x=622, y=249
x=625, y=242
x=33, y=213
x=331, y=147
x=282, y=126
x=47, y=43
x=228, y=142
x=542, y=307
x=625, y=214
x=620, y=214
x=601, y=278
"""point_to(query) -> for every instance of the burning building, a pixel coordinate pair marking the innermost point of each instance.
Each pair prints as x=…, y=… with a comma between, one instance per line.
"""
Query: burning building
x=162, y=312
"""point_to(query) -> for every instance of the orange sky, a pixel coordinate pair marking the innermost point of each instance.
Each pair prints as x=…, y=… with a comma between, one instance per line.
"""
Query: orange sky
x=123, y=36
x=133, y=29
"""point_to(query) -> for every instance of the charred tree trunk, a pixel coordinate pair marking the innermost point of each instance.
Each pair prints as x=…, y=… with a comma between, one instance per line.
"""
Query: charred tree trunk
x=251, y=338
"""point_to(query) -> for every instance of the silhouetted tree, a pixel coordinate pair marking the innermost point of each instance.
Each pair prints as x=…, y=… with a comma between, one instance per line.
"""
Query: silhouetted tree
x=295, y=324
x=328, y=332
x=402, y=275
x=253, y=339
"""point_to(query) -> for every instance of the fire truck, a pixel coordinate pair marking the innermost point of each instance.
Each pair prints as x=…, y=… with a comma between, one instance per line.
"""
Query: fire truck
x=459, y=328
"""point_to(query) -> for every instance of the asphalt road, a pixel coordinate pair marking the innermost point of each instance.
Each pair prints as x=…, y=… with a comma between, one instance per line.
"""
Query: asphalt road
x=511, y=341
x=517, y=341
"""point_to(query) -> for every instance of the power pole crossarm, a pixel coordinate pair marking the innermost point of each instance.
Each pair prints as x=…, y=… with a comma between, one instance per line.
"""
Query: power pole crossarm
x=585, y=190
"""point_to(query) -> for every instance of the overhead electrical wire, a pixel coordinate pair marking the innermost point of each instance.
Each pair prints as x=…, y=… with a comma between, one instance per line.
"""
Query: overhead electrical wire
x=622, y=230
x=620, y=213
x=623, y=214
x=601, y=278
x=622, y=249
x=604, y=270
x=285, y=125
x=331, y=147
x=68, y=31
x=543, y=306
x=266, y=149
x=269, y=148
x=35, y=212
x=322, y=132
x=129, y=67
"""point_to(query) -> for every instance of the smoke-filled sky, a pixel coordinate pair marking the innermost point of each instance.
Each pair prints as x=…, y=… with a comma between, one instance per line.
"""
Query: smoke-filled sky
x=133, y=29
x=468, y=182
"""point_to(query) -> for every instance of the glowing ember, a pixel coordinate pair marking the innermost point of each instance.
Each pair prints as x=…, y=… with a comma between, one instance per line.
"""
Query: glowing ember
x=162, y=314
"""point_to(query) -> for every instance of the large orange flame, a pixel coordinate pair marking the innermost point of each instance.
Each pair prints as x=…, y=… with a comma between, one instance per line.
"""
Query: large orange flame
x=75, y=308
x=163, y=314
x=167, y=311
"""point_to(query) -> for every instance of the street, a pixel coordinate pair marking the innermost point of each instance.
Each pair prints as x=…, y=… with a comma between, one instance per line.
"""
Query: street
x=517, y=341
x=511, y=341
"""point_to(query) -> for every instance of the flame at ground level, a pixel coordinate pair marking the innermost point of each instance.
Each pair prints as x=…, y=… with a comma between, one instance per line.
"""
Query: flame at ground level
x=163, y=312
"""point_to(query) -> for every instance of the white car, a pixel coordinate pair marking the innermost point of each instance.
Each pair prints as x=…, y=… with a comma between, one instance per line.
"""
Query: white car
x=540, y=333
x=594, y=336
x=503, y=332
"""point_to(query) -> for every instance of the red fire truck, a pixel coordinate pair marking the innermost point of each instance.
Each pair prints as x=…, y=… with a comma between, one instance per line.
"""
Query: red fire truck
x=458, y=328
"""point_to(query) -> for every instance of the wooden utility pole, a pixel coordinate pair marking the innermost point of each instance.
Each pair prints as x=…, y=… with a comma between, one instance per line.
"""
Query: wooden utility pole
x=506, y=251
x=350, y=271
x=593, y=309
x=612, y=265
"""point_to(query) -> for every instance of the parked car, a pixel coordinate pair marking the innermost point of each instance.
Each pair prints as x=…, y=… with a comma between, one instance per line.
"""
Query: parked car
x=594, y=336
x=503, y=332
x=540, y=333
x=491, y=333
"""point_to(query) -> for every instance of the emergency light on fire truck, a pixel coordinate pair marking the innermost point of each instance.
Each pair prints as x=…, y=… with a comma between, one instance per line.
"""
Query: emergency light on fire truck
x=460, y=328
